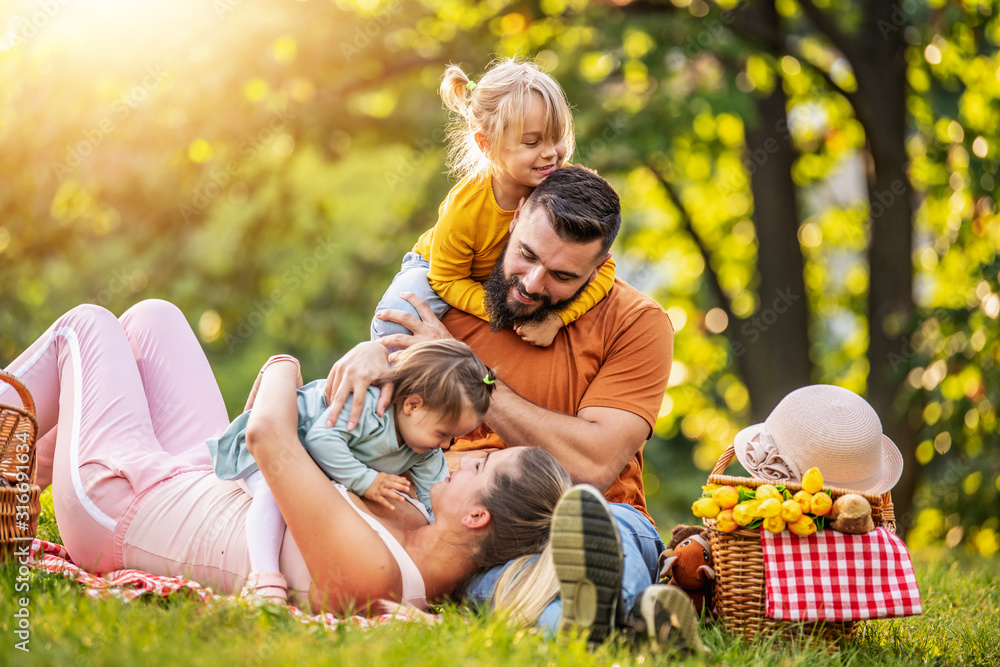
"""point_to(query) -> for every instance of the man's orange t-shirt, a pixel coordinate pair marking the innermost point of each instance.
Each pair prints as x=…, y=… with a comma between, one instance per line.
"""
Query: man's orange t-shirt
x=617, y=355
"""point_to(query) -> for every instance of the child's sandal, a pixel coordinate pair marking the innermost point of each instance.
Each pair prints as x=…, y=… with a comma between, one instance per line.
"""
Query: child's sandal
x=266, y=588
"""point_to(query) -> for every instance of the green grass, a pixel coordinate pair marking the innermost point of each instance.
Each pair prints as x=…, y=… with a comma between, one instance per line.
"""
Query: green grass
x=959, y=627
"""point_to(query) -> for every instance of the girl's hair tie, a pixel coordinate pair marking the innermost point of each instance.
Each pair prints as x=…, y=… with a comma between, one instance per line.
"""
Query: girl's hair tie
x=488, y=379
x=470, y=86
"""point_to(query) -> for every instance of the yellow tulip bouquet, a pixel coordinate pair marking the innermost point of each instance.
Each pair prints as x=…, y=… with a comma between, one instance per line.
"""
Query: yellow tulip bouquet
x=770, y=505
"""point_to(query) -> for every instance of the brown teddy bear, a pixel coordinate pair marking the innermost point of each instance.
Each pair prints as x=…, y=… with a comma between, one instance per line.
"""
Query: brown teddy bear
x=687, y=564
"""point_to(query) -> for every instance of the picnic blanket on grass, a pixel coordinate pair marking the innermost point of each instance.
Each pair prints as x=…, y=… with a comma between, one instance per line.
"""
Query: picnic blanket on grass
x=831, y=576
x=128, y=585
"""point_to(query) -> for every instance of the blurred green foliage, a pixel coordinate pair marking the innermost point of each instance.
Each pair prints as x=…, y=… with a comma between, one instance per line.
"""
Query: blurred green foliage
x=265, y=166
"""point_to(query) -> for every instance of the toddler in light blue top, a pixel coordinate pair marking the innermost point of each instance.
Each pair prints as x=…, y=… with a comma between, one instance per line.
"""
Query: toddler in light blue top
x=441, y=390
x=354, y=458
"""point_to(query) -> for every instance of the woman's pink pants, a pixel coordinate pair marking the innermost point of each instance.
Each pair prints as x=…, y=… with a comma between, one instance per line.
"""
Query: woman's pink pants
x=123, y=404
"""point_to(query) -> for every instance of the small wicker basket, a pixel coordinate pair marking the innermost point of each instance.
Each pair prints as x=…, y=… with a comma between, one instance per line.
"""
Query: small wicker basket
x=738, y=559
x=19, y=495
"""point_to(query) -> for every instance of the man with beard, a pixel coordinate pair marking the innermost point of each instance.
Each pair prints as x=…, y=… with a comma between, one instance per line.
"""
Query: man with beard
x=504, y=315
x=591, y=398
x=588, y=218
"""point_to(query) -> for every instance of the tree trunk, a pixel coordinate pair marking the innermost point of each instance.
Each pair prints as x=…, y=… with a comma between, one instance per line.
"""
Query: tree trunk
x=881, y=86
x=773, y=349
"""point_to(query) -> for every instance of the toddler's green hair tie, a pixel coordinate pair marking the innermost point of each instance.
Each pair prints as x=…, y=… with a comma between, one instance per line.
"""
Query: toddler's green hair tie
x=489, y=380
x=470, y=86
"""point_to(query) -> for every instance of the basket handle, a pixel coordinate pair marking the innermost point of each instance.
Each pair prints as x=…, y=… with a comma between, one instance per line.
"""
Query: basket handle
x=724, y=460
x=26, y=400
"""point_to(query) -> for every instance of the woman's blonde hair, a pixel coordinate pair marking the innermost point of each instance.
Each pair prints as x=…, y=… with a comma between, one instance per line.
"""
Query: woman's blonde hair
x=526, y=588
x=446, y=374
x=495, y=104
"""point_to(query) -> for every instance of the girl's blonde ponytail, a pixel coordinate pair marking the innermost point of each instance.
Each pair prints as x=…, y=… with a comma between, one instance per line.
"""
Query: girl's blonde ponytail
x=454, y=90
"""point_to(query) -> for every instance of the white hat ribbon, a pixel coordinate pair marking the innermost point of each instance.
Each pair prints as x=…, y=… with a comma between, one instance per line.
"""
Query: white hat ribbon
x=762, y=459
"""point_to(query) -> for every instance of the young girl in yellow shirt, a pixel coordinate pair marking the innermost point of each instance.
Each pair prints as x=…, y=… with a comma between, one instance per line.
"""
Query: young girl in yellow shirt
x=510, y=130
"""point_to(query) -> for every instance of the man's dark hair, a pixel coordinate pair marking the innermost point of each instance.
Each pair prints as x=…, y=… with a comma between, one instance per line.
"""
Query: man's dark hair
x=581, y=206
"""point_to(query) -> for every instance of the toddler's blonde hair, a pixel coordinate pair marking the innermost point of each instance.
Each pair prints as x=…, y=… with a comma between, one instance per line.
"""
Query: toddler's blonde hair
x=497, y=103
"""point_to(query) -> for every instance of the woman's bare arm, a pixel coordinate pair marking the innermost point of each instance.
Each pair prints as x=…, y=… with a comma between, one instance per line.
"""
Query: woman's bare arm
x=348, y=562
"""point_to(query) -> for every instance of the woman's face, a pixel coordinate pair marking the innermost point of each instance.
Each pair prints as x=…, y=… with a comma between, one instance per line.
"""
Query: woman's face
x=462, y=491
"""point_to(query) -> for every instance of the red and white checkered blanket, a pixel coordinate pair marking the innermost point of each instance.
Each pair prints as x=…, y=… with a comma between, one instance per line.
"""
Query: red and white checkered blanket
x=128, y=585
x=831, y=576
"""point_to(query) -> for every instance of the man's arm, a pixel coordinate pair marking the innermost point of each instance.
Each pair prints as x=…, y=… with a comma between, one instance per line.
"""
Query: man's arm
x=593, y=445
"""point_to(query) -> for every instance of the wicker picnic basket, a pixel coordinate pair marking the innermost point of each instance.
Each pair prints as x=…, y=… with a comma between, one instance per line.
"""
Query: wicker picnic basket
x=19, y=495
x=738, y=559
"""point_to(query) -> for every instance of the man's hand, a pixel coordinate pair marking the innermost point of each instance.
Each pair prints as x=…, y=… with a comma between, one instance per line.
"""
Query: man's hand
x=366, y=362
x=387, y=487
x=540, y=333
x=353, y=374
x=426, y=327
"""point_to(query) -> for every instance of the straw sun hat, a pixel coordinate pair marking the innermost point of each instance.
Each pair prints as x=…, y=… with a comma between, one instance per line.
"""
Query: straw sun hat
x=827, y=427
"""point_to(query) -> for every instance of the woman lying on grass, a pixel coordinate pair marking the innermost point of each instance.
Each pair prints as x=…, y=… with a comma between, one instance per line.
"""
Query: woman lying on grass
x=124, y=410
